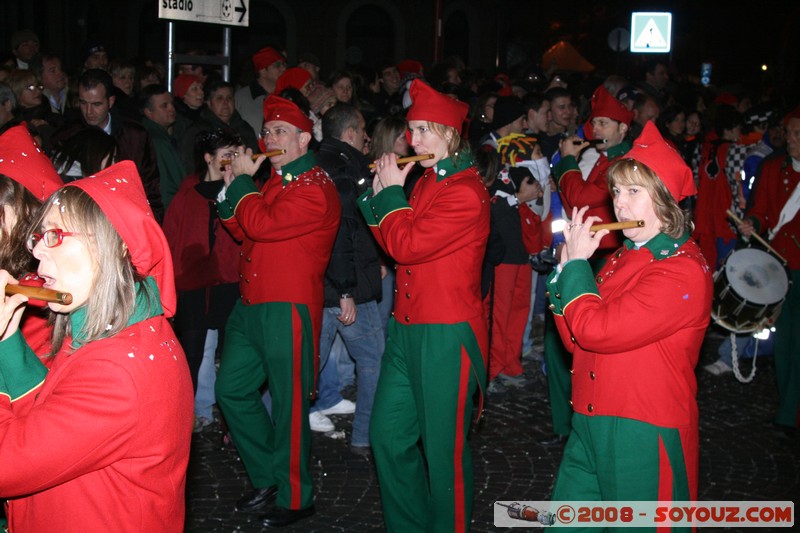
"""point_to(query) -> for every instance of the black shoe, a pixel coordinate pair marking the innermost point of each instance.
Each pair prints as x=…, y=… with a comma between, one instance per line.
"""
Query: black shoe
x=554, y=440
x=280, y=516
x=256, y=499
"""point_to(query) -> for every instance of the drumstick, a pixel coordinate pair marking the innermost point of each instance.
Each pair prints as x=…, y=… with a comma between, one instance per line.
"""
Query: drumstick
x=613, y=226
x=271, y=153
x=409, y=159
x=757, y=237
x=40, y=293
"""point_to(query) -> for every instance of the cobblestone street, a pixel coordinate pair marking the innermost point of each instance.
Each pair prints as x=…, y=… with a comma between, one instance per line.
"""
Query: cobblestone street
x=742, y=457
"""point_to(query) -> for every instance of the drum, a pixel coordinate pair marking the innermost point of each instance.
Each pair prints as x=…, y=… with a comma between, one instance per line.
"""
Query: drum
x=749, y=290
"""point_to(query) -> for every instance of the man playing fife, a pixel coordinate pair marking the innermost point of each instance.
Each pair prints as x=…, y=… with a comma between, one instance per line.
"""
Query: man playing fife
x=287, y=231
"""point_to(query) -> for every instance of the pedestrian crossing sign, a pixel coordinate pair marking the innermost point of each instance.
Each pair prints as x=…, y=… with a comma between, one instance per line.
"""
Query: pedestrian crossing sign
x=651, y=32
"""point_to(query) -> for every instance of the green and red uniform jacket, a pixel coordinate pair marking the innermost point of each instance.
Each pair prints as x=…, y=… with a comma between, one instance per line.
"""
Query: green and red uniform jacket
x=287, y=232
x=575, y=192
x=438, y=239
x=776, y=182
x=635, y=330
x=100, y=442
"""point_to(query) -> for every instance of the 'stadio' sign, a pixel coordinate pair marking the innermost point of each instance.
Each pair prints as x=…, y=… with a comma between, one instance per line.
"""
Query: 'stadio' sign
x=228, y=12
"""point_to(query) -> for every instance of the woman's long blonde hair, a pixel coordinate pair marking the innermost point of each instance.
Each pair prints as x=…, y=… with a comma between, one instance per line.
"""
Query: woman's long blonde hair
x=457, y=146
x=674, y=221
x=112, y=297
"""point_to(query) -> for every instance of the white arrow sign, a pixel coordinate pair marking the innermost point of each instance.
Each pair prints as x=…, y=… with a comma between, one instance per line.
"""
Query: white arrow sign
x=228, y=12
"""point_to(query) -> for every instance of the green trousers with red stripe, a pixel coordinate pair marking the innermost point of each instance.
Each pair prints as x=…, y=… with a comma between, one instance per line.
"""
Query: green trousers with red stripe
x=270, y=343
x=429, y=375
x=609, y=458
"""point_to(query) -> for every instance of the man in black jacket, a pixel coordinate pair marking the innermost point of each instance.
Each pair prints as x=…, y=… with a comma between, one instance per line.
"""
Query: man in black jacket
x=96, y=103
x=352, y=281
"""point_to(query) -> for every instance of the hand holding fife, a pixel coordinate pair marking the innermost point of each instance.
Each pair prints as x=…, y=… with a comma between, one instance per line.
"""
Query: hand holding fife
x=388, y=173
x=568, y=146
x=12, y=308
x=581, y=241
x=242, y=163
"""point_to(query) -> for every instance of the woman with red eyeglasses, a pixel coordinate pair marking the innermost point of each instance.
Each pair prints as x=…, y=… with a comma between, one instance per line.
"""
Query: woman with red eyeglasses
x=100, y=440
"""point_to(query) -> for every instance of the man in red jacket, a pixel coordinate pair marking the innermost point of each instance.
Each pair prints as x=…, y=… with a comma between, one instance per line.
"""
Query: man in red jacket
x=287, y=231
x=775, y=210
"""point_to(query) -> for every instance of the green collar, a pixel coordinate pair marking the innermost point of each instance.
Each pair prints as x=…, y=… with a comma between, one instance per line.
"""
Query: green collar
x=619, y=150
x=662, y=245
x=148, y=304
x=290, y=171
x=448, y=167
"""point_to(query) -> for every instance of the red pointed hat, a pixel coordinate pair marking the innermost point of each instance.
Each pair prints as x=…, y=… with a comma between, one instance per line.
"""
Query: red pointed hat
x=431, y=105
x=265, y=57
x=119, y=192
x=651, y=149
x=294, y=77
x=277, y=108
x=605, y=105
x=23, y=161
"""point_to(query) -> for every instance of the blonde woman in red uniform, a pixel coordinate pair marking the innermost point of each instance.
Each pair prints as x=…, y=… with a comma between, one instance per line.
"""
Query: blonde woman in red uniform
x=100, y=442
x=635, y=332
x=436, y=349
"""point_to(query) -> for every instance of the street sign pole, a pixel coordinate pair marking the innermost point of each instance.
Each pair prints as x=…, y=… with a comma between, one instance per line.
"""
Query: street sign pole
x=226, y=12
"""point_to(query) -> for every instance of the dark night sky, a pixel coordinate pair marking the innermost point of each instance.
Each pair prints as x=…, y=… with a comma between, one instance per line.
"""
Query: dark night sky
x=736, y=37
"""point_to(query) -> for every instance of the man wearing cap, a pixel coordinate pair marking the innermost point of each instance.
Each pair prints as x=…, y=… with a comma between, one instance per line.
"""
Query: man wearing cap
x=509, y=118
x=437, y=343
x=287, y=231
x=635, y=331
x=775, y=211
x=608, y=122
x=24, y=46
x=95, y=55
x=268, y=65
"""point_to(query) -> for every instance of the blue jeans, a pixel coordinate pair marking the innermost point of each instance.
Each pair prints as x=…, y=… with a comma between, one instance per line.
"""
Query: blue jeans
x=365, y=342
x=527, y=341
x=204, y=397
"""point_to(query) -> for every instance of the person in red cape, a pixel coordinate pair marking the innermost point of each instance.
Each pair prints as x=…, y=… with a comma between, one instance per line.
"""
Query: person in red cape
x=635, y=332
x=437, y=343
x=27, y=178
x=100, y=441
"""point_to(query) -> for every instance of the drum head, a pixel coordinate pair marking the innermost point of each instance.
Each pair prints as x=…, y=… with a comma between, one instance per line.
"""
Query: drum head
x=756, y=276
